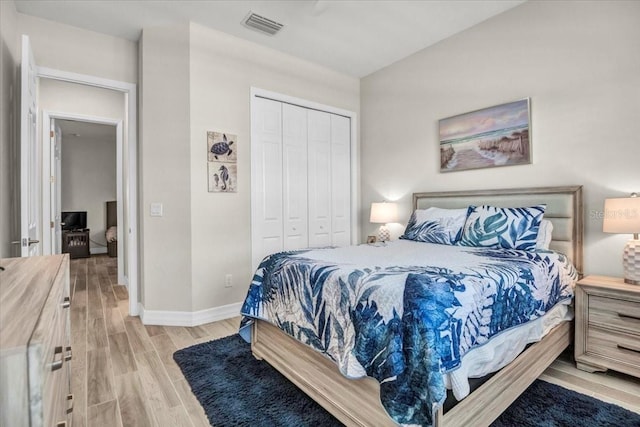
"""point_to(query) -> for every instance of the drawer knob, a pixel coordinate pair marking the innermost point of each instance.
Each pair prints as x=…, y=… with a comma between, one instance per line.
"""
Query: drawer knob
x=69, y=354
x=66, y=303
x=57, y=364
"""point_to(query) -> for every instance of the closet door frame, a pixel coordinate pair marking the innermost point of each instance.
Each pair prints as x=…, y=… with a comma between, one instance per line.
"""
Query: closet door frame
x=354, y=155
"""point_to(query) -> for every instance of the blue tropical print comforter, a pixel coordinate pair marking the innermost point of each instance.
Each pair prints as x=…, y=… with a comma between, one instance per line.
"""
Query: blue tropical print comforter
x=404, y=313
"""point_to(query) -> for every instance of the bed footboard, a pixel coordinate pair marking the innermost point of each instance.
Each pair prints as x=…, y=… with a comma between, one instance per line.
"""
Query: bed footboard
x=357, y=402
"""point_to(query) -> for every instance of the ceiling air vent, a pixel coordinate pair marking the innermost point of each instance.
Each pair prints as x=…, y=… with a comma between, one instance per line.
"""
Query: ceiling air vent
x=262, y=24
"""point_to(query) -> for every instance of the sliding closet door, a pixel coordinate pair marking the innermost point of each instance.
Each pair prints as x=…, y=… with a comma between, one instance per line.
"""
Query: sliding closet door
x=319, y=175
x=294, y=169
x=300, y=178
x=340, y=180
x=266, y=179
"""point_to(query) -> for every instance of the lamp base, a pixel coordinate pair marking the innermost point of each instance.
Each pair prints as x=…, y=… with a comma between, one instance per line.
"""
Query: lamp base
x=631, y=262
x=384, y=235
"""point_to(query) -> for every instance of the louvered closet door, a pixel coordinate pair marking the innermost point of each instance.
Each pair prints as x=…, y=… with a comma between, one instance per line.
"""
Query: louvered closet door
x=340, y=180
x=294, y=169
x=266, y=209
x=319, y=176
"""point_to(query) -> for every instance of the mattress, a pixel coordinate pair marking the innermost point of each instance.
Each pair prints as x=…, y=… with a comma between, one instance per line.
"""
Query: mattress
x=502, y=349
x=415, y=316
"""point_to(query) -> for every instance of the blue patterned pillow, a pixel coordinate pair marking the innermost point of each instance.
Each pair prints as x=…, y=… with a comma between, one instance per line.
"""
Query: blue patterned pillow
x=435, y=225
x=509, y=228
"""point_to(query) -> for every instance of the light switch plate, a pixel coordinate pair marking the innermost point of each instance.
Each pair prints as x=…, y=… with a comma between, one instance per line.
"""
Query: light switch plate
x=156, y=209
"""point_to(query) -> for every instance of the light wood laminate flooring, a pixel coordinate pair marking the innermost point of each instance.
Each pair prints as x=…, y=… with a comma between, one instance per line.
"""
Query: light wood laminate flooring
x=123, y=373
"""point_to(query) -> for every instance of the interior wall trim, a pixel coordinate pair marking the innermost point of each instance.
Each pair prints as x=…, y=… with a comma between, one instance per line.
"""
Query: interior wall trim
x=189, y=318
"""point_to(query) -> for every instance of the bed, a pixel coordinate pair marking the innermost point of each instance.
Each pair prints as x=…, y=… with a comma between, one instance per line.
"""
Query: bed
x=358, y=401
x=111, y=230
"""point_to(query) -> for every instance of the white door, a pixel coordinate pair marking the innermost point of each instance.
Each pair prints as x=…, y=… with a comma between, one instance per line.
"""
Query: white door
x=266, y=178
x=55, y=134
x=319, y=175
x=340, y=180
x=30, y=202
x=294, y=169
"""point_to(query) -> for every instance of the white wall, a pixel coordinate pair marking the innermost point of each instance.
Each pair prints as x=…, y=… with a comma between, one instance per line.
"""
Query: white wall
x=578, y=61
x=68, y=48
x=89, y=181
x=65, y=97
x=165, y=175
x=9, y=90
x=223, y=70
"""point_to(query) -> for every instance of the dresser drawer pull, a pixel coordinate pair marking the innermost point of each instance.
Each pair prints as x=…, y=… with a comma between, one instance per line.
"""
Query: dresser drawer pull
x=69, y=354
x=627, y=316
x=70, y=403
x=57, y=364
x=623, y=347
x=61, y=424
x=66, y=303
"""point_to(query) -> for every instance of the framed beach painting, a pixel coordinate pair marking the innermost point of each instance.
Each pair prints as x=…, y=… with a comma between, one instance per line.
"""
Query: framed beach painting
x=490, y=137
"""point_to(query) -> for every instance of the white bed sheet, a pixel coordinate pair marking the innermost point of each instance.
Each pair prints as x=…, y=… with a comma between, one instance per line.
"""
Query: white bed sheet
x=503, y=348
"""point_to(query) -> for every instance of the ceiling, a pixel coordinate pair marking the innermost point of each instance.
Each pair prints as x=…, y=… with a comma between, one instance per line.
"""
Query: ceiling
x=356, y=37
x=87, y=131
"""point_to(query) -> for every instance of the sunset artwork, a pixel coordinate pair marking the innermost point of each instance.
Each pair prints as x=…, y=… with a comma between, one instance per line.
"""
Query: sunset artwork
x=494, y=136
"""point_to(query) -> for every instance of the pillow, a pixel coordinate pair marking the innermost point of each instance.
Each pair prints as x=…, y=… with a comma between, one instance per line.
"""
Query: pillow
x=435, y=225
x=544, y=235
x=508, y=228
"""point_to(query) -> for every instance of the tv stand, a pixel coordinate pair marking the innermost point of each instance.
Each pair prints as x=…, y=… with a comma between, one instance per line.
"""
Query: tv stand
x=76, y=243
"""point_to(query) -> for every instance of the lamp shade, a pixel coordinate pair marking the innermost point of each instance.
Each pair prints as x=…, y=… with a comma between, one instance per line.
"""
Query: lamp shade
x=622, y=215
x=383, y=213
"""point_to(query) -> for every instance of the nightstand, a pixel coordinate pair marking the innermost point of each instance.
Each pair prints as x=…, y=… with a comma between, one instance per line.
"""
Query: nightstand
x=607, y=325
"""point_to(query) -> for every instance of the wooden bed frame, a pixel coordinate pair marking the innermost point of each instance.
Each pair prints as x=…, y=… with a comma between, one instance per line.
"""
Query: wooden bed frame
x=357, y=402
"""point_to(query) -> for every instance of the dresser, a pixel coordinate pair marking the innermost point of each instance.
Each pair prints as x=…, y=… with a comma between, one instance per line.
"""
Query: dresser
x=607, y=325
x=35, y=351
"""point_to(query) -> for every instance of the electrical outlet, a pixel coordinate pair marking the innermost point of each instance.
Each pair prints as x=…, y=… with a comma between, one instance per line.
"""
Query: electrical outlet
x=228, y=281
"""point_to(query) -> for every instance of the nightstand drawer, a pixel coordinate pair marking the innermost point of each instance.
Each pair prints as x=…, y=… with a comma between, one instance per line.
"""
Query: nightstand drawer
x=616, y=314
x=621, y=347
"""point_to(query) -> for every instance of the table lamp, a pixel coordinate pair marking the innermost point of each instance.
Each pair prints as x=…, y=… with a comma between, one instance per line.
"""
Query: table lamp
x=622, y=216
x=383, y=213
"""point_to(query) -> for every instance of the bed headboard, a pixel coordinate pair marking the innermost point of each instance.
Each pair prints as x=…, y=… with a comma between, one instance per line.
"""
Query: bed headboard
x=112, y=214
x=564, y=210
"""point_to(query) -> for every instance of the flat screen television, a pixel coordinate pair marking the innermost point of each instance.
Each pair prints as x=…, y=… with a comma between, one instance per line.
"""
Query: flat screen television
x=73, y=220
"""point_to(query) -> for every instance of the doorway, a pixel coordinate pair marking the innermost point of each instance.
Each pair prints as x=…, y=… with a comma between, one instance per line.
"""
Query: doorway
x=127, y=158
x=127, y=173
x=83, y=192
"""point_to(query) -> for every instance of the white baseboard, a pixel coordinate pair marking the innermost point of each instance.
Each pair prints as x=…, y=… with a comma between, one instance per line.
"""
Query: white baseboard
x=189, y=318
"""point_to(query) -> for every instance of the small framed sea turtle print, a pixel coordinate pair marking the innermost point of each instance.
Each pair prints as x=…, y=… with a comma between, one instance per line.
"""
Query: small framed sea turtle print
x=222, y=162
x=486, y=138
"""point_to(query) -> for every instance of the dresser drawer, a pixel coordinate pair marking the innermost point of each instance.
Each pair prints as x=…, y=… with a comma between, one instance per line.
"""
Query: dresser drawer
x=616, y=314
x=48, y=367
x=623, y=348
x=56, y=380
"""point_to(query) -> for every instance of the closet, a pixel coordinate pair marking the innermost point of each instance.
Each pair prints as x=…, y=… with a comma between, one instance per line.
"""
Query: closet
x=300, y=178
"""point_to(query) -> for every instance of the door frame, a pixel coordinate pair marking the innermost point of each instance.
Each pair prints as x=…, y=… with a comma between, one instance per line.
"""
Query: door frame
x=48, y=157
x=129, y=172
x=354, y=148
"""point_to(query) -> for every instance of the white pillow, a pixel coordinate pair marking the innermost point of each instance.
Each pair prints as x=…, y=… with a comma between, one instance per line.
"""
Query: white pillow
x=544, y=235
x=436, y=225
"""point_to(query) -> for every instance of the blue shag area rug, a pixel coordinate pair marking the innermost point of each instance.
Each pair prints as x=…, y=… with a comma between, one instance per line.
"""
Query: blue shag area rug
x=235, y=389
